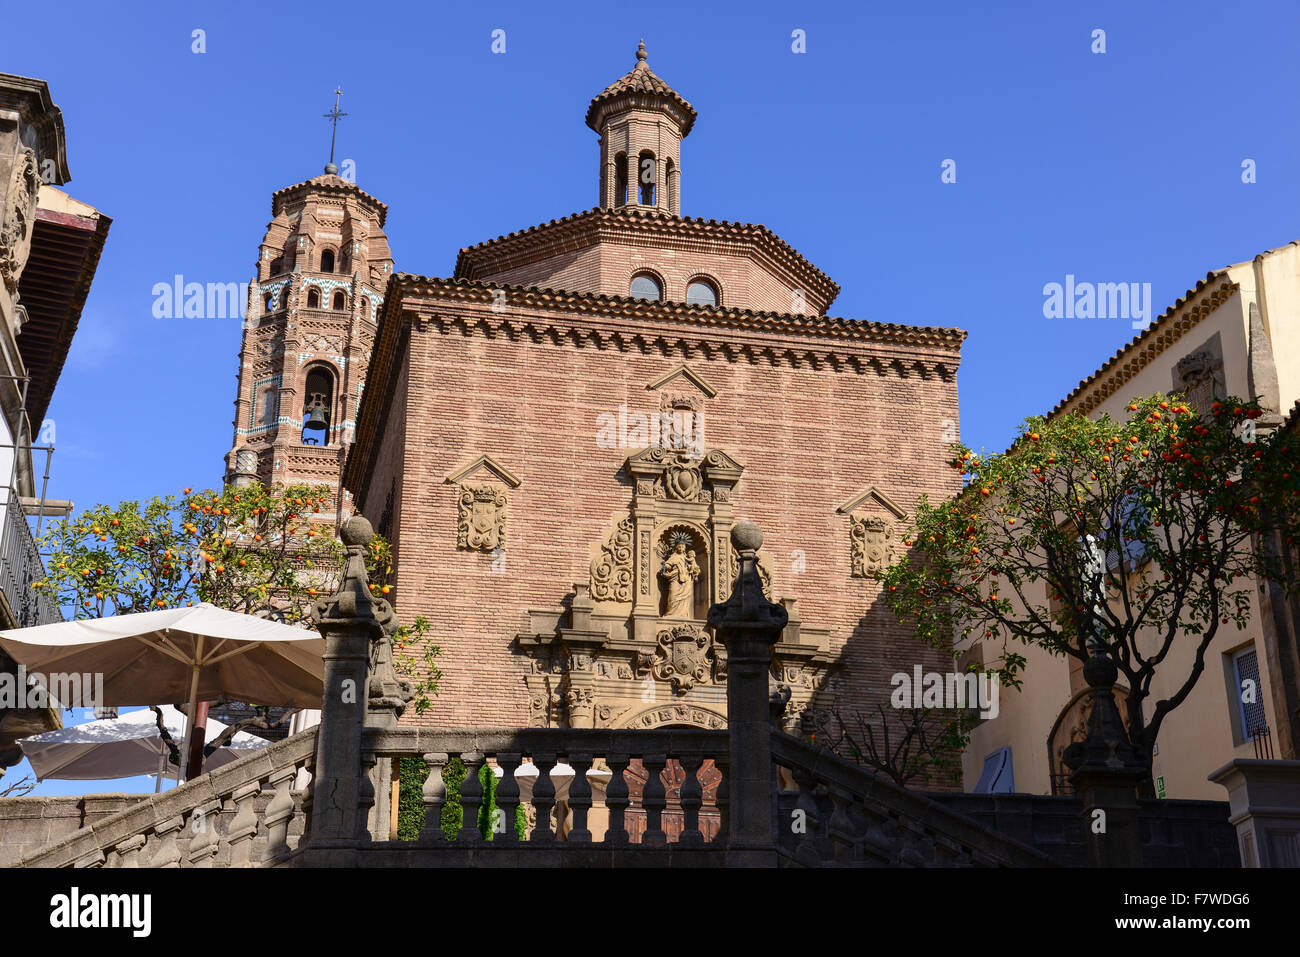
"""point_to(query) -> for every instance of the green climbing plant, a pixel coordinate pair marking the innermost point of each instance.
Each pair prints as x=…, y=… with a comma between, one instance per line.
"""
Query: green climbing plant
x=410, y=801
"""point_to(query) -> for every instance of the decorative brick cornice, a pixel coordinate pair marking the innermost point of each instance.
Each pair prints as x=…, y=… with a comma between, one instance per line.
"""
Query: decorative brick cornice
x=703, y=318
x=328, y=185
x=1175, y=322
x=622, y=323
x=592, y=226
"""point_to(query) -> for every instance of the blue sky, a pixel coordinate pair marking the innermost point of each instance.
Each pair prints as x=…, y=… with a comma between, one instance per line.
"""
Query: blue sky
x=1123, y=166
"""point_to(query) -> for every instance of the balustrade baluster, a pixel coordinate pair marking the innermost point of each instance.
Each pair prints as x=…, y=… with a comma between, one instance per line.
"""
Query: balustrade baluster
x=306, y=796
x=722, y=797
x=278, y=813
x=168, y=853
x=128, y=852
x=806, y=821
x=366, y=799
x=844, y=836
x=243, y=826
x=507, y=798
x=616, y=799
x=654, y=799
x=692, y=799
x=543, y=799
x=435, y=796
x=580, y=797
x=471, y=798
x=204, y=840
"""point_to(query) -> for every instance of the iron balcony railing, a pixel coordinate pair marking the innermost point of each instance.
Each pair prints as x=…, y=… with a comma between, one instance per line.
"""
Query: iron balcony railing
x=21, y=567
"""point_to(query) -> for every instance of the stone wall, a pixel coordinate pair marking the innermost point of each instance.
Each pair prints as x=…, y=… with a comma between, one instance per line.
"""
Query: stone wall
x=1174, y=833
x=28, y=824
x=812, y=435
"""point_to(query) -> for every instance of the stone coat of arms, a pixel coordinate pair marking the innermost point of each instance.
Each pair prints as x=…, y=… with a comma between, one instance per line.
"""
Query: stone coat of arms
x=684, y=656
x=482, y=518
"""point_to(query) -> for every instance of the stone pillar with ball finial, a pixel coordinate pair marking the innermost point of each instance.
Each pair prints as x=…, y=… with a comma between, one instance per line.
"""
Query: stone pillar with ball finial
x=748, y=625
x=353, y=623
x=1106, y=771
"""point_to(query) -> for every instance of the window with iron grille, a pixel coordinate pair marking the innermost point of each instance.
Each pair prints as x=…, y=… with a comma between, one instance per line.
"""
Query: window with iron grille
x=1245, y=666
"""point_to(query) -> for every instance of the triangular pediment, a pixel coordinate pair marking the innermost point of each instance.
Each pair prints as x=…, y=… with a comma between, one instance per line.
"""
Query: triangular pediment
x=487, y=464
x=683, y=372
x=869, y=495
x=657, y=457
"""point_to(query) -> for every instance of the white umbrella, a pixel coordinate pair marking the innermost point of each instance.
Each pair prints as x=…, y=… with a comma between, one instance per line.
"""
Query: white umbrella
x=195, y=654
x=123, y=747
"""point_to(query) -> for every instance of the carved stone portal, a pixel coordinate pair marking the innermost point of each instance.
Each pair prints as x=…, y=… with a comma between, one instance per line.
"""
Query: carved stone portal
x=482, y=518
x=684, y=657
x=869, y=545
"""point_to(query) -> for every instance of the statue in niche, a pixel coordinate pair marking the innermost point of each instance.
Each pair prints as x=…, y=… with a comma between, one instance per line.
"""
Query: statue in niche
x=681, y=571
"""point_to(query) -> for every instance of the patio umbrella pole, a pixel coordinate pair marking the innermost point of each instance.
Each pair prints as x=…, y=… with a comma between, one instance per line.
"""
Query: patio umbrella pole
x=198, y=740
x=189, y=718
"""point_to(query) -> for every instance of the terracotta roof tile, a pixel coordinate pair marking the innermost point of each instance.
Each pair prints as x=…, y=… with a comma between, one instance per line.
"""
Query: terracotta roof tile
x=644, y=81
x=654, y=219
x=328, y=182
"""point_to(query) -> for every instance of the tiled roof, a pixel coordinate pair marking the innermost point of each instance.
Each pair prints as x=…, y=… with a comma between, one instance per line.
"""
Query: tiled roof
x=635, y=216
x=644, y=81
x=328, y=182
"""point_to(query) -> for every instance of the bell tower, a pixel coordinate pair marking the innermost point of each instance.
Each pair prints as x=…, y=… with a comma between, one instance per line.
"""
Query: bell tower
x=310, y=326
x=642, y=122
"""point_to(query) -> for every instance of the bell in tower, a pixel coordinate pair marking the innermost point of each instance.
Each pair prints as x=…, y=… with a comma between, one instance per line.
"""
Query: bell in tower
x=642, y=122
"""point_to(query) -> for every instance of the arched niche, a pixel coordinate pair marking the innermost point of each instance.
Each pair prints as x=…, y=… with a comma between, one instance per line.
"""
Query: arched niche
x=682, y=549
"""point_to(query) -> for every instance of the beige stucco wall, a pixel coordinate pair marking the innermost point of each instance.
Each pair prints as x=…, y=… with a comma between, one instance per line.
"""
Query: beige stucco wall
x=1197, y=737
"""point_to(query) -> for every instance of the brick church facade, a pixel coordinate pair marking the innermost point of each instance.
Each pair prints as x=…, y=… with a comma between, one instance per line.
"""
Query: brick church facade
x=558, y=438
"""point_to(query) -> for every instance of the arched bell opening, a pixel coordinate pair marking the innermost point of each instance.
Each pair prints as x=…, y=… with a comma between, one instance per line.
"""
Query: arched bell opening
x=318, y=408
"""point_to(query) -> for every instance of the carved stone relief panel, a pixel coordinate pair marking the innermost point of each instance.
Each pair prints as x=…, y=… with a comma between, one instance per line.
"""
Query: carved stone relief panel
x=482, y=518
x=612, y=572
x=1199, y=375
x=684, y=656
x=19, y=218
x=869, y=545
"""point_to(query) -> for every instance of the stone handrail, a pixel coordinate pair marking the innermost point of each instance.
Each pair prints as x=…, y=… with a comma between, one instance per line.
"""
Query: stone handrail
x=216, y=820
x=874, y=822
x=581, y=750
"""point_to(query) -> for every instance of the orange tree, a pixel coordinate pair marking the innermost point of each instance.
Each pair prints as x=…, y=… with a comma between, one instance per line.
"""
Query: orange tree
x=255, y=550
x=1127, y=538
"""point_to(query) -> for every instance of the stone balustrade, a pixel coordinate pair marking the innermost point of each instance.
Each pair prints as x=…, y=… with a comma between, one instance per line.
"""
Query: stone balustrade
x=848, y=816
x=246, y=814
x=588, y=757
